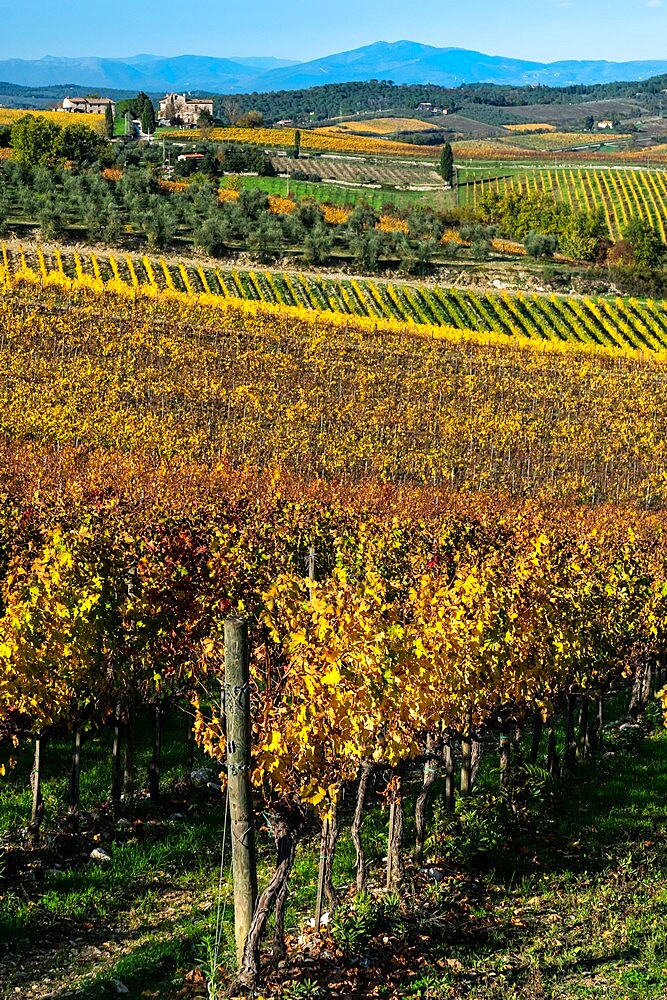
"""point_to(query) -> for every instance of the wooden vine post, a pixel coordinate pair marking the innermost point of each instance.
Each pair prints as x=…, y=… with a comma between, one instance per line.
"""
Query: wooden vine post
x=154, y=766
x=355, y=830
x=466, y=757
x=237, y=710
x=324, y=837
x=396, y=831
x=325, y=834
x=130, y=744
x=448, y=763
x=433, y=750
x=36, y=782
x=504, y=747
x=116, y=759
x=75, y=780
x=570, y=736
x=322, y=872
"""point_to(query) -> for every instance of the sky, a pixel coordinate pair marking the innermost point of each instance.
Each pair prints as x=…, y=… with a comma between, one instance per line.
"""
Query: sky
x=543, y=30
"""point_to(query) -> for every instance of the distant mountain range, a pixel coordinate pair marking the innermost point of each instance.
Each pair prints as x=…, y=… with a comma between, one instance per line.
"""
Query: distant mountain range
x=403, y=62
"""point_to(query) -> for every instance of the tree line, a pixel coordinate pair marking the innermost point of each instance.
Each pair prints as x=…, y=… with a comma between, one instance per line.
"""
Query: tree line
x=330, y=100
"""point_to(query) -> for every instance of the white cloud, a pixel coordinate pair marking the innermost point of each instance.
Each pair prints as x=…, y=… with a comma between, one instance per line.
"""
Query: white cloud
x=654, y=3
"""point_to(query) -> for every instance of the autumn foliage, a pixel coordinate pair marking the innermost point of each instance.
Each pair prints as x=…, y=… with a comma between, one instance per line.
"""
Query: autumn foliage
x=160, y=437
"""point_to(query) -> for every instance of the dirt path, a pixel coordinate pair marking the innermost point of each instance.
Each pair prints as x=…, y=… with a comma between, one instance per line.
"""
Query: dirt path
x=512, y=275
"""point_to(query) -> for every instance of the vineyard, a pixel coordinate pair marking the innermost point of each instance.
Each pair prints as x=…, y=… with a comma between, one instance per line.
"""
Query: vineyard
x=621, y=194
x=515, y=146
x=352, y=172
x=384, y=126
x=552, y=141
x=95, y=122
x=528, y=127
x=514, y=150
x=550, y=419
x=604, y=322
x=319, y=140
x=359, y=581
x=170, y=459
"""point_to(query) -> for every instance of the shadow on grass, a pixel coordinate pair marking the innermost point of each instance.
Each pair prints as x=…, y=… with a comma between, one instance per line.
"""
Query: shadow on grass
x=610, y=806
x=569, y=901
x=16, y=795
x=136, y=918
x=155, y=962
x=604, y=809
x=146, y=859
x=581, y=879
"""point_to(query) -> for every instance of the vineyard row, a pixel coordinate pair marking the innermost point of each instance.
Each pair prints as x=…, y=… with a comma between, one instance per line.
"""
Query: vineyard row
x=600, y=322
x=621, y=194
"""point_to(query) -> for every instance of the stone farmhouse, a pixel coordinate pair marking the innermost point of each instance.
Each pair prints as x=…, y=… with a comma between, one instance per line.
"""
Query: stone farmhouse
x=88, y=105
x=186, y=108
x=427, y=106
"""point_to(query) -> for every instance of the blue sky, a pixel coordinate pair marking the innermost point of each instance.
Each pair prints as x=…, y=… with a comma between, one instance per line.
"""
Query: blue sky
x=544, y=30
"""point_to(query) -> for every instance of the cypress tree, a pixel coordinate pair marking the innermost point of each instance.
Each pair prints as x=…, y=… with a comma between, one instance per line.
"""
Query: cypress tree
x=148, y=118
x=447, y=164
x=108, y=122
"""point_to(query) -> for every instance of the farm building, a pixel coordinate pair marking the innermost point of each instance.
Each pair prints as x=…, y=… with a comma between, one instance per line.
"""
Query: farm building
x=186, y=108
x=88, y=105
x=427, y=107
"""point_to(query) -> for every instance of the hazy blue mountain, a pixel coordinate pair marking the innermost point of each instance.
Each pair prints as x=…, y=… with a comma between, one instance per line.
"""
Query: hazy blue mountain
x=411, y=62
x=598, y=71
x=51, y=71
x=196, y=73
x=263, y=63
x=143, y=72
x=402, y=62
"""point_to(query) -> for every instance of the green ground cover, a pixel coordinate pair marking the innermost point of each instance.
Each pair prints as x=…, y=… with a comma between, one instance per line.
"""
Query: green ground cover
x=336, y=194
x=555, y=895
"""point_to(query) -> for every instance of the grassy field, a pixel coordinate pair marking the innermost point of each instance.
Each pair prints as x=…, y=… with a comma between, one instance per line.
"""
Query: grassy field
x=335, y=194
x=555, y=141
x=566, y=904
x=119, y=126
x=474, y=175
x=143, y=913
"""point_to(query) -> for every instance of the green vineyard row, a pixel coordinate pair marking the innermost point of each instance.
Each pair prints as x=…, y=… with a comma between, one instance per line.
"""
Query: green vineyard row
x=591, y=321
x=621, y=194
